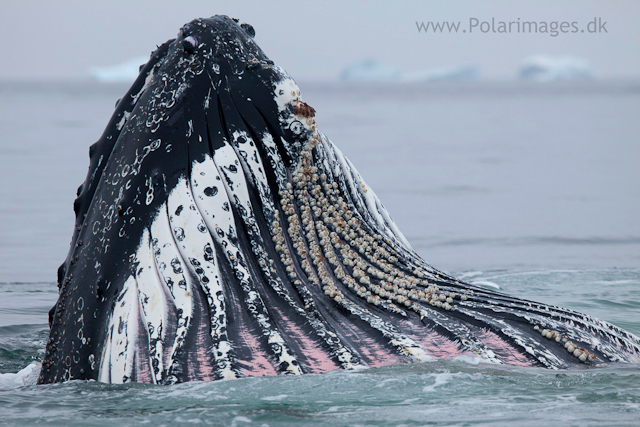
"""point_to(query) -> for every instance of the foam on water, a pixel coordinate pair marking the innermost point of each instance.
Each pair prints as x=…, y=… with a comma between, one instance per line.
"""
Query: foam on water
x=440, y=379
x=485, y=284
x=473, y=361
x=26, y=377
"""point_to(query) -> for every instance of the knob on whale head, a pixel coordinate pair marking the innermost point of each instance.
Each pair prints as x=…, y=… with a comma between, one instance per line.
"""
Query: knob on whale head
x=220, y=38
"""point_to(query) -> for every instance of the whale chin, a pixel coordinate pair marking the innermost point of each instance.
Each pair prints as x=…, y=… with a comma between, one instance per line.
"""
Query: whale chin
x=219, y=234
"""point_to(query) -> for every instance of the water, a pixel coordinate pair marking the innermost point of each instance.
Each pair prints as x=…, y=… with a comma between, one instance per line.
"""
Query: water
x=452, y=392
x=532, y=189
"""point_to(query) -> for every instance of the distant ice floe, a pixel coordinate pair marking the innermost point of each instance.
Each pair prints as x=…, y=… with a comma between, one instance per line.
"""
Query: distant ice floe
x=125, y=72
x=547, y=68
x=370, y=70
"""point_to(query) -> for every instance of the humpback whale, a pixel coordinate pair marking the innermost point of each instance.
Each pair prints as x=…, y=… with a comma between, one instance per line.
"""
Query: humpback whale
x=219, y=234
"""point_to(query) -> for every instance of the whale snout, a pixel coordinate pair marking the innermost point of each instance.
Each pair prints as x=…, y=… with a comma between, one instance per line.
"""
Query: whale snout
x=225, y=37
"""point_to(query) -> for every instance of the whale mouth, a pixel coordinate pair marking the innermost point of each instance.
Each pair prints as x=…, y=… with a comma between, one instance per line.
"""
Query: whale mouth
x=219, y=234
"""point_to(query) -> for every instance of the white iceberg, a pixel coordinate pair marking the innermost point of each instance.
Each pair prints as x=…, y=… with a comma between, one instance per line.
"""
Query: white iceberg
x=370, y=70
x=125, y=72
x=547, y=68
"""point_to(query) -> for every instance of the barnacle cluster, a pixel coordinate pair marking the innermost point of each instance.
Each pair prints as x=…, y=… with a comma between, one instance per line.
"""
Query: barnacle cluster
x=324, y=239
x=334, y=249
x=582, y=354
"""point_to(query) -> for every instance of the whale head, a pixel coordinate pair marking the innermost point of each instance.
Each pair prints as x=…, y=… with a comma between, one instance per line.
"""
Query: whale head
x=220, y=234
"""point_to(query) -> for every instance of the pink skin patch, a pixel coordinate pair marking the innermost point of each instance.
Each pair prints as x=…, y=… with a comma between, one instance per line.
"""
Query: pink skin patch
x=502, y=349
x=376, y=355
x=199, y=363
x=202, y=369
x=259, y=365
x=434, y=344
x=371, y=351
x=141, y=360
x=142, y=365
x=319, y=360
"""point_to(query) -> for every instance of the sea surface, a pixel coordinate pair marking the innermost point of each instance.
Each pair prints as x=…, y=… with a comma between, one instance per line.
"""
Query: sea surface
x=529, y=188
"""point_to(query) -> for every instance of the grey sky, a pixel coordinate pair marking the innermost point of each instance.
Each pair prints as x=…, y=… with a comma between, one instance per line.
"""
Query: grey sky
x=315, y=40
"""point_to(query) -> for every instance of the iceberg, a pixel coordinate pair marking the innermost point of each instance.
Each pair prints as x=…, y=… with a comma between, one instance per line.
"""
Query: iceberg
x=370, y=70
x=125, y=72
x=546, y=68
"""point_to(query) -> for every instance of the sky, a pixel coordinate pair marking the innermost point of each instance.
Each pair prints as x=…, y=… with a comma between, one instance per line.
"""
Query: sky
x=315, y=40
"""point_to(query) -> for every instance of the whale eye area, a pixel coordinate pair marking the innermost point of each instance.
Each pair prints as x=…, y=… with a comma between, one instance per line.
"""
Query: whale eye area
x=190, y=44
x=248, y=29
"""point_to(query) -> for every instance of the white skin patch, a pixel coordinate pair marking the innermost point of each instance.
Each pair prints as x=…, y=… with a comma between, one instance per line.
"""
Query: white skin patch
x=198, y=255
x=171, y=270
x=118, y=356
x=206, y=175
x=153, y=303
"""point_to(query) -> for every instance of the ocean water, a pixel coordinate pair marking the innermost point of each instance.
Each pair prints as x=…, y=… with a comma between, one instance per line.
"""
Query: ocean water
x=533, y=189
